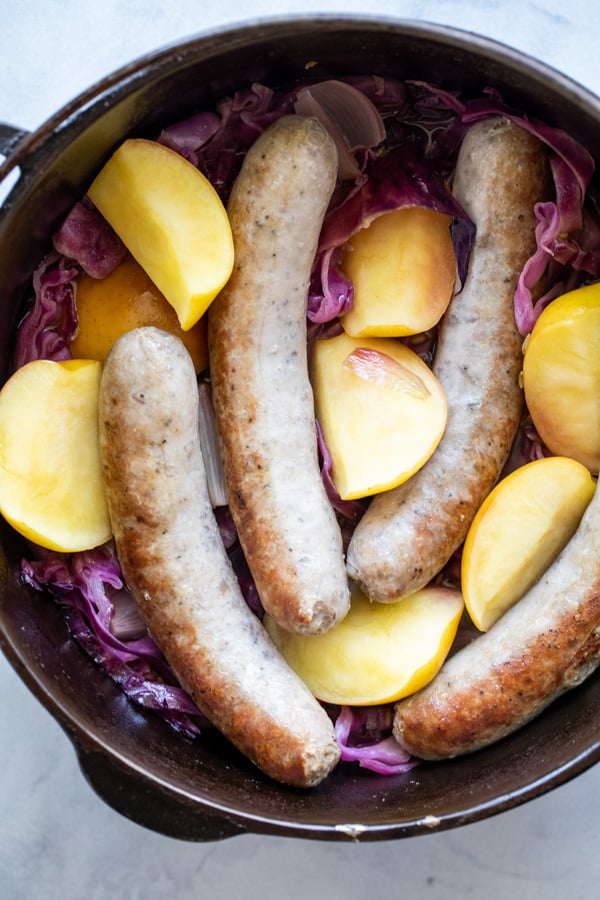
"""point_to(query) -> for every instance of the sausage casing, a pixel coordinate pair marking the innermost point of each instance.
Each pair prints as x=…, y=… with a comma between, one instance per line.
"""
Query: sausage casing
x=546, y=644
x=176, y=567
x=409, y=533
x=262, y=395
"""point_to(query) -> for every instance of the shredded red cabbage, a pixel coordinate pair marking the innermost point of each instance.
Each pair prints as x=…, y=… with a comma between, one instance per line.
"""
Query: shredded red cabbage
x=46, y=331
x=88, y=586
x=396, y=180
x=87, y=238
x=560, y=222
x=217, y=142
x=84, y=242
x=242, y=118
x=363, y=734
x=568, y=227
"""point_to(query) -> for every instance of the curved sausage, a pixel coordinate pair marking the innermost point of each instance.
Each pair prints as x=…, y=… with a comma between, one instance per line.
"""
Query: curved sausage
x=176, y=567
x=409, y=533
x=261, y=391
x=546, y=644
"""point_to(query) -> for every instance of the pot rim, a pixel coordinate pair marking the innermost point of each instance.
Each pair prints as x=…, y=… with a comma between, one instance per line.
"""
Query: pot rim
x=74, y=117
x=20, y=145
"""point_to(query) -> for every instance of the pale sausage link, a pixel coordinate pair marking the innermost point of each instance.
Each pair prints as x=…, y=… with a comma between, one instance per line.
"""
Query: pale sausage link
x=409, y=533
x=176, y=567
x=262, y=395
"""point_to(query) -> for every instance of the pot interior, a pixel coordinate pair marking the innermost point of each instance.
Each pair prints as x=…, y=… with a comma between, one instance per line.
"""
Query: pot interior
x=206, y=789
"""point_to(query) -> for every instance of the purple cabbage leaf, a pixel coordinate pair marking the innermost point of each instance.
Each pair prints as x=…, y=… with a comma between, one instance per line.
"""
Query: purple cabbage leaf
x=86, y=238
x=48, y=327
x=364, y=736
x=568, y=227
x=396, y=180
x=102, y=617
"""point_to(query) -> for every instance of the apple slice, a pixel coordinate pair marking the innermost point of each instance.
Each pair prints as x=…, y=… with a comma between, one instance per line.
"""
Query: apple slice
x=561, y=376
x=51, y=483
x=519, y=529
x=381, y=410
x=379, y=652
x=172, y=221
x=124, y=300
x=403, y=269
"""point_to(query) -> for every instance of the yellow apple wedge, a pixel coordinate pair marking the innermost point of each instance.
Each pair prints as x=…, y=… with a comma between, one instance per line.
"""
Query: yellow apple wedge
x=124, y=300
x=381, y=410
x=519, y=529
x=379, y=652
x=51, y=483
x=171, y=220
x=561, y=375
x=403, y=269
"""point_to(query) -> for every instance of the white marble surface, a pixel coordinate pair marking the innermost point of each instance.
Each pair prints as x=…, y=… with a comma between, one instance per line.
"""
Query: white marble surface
x=57, y=839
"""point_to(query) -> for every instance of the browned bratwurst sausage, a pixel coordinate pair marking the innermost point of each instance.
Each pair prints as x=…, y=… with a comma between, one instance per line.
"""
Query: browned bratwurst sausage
x=409, y=533
x=546, y=644
x=176, y=567
x=262, y=395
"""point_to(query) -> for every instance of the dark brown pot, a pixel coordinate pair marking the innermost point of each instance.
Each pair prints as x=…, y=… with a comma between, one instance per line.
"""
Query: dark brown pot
x=207, y=791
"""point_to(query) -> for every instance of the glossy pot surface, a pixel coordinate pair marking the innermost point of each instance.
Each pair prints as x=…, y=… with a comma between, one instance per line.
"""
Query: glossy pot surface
x=205, y=790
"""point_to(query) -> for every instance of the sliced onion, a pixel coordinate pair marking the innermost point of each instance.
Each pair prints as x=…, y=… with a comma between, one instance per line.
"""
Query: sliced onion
x=348, y=115
x=209, y=444
x=126, y=623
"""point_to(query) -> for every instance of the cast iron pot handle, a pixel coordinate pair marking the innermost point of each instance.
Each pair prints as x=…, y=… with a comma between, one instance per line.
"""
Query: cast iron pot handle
x=131, y=795
x=9, y=138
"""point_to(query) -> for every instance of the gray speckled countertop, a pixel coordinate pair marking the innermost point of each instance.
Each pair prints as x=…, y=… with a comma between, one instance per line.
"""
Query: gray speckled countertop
x=57, y=839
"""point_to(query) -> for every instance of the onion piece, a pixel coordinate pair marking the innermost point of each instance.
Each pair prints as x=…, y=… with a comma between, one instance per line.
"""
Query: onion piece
x=349, y=116
x=126, y=623
x=209, y=444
